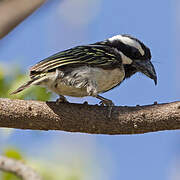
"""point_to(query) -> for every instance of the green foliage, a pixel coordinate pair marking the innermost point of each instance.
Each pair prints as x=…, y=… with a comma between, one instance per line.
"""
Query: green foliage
x=9, y=176
x=8, y=83
x=49, y=170
x=4, y=85
x=15, y=154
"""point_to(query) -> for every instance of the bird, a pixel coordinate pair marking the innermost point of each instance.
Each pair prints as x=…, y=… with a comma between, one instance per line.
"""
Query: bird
x=92, y=69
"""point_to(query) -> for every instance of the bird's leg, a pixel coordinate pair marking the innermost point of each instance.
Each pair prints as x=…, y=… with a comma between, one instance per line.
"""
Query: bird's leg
x=106, y=102
x=92, y=91
x=61, y=99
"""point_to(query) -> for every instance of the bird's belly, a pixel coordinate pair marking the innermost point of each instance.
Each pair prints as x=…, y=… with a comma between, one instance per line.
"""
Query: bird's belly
x=67, y=90
x=105, y=79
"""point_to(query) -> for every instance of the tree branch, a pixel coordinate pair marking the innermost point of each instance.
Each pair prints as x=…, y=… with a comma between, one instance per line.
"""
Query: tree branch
x=18, y=168
x=12, y=12
x=88, y=118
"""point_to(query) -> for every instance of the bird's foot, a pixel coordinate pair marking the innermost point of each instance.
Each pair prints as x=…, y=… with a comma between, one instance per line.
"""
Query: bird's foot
x=61, y=99
x=106, y=102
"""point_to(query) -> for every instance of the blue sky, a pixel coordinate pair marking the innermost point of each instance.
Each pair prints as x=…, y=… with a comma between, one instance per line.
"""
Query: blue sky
x=59, y=25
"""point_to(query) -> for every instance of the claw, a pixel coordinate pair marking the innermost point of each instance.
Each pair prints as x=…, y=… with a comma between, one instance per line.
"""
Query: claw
x=106, y=102
x=101, y=103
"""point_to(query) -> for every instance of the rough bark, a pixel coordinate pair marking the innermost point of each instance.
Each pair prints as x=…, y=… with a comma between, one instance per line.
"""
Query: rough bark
x=18, y=168
x=93, y=119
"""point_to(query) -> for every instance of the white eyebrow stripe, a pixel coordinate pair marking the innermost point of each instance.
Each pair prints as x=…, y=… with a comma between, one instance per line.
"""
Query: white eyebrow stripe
x=128, y=41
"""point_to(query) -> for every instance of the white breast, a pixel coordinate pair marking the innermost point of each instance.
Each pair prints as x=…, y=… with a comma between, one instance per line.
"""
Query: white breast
x=75, y=82
x=107, y=79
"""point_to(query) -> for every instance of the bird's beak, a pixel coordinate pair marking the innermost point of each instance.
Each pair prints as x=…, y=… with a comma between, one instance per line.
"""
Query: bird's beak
x=147, y=68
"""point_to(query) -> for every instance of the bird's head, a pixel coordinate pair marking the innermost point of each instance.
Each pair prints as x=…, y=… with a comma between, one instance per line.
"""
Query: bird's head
x=134, y=54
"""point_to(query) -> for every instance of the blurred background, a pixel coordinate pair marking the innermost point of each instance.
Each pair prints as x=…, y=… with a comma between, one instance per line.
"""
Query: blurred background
x=61, y=24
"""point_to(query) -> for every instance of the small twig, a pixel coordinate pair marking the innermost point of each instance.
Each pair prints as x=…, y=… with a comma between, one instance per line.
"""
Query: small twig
x=18, y=168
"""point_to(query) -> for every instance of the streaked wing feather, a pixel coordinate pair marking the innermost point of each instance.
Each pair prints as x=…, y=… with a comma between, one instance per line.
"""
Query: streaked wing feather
x=94, y=55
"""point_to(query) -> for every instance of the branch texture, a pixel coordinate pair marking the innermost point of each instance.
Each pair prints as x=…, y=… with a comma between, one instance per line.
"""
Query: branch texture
x=92, y=119
x=18, y=168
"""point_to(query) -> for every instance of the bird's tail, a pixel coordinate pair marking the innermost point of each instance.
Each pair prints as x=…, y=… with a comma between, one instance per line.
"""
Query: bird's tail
x=26, y=85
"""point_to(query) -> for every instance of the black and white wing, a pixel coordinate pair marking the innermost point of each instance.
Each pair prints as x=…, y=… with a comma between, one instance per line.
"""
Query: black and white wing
x=92, y=55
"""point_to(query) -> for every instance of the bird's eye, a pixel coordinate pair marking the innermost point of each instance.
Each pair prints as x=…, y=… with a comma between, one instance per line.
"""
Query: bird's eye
x=136, y=53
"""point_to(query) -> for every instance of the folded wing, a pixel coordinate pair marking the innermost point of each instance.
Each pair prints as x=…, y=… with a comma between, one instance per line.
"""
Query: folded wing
x=92, y=55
